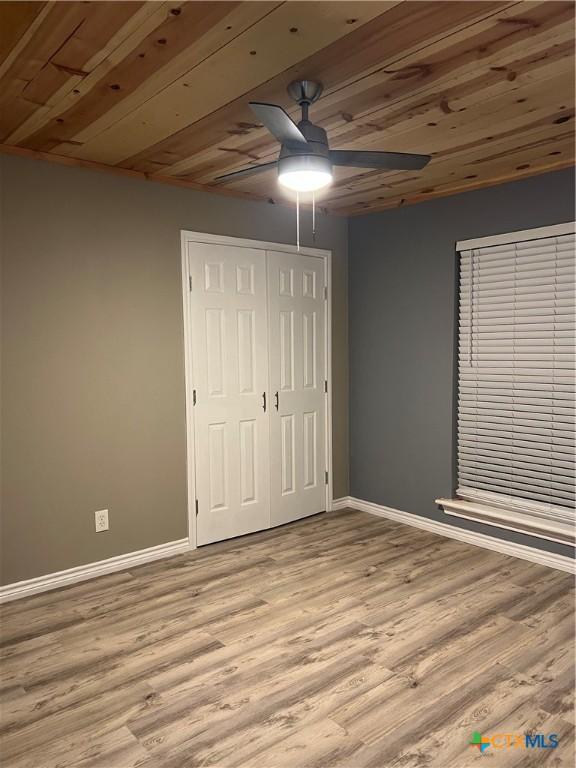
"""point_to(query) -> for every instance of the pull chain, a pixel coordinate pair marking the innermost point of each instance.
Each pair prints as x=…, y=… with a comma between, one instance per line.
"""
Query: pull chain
x=313, y=217
x=297, y=220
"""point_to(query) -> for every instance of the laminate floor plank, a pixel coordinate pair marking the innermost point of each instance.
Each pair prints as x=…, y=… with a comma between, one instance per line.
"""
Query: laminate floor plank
x=339, y=641
x=281, y=698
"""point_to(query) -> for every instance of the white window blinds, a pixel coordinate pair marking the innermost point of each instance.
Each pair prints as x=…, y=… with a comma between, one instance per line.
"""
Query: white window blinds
x=516, y=375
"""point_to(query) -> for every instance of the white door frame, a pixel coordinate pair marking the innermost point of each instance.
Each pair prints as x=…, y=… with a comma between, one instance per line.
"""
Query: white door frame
x=202, y=237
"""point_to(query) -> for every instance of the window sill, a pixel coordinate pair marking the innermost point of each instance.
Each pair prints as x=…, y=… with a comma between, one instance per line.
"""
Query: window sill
x=512, y=520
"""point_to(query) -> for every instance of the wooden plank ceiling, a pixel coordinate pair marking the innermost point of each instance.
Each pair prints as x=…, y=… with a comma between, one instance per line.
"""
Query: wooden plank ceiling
x=161, y=89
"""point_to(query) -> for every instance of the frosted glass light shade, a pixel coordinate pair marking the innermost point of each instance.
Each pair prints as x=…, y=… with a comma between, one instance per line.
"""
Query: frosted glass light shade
x=305, y=181
x=304, y=173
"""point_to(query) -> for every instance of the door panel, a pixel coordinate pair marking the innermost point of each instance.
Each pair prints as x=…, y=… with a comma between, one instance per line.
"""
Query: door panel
x=230, y=375
x=297, y=373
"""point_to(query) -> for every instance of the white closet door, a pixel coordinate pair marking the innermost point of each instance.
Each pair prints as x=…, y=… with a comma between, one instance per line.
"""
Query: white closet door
x=297, y=374
x=230, y=375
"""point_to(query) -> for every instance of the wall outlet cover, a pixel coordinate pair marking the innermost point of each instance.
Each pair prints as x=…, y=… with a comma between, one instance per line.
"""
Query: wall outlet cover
x=101, y=520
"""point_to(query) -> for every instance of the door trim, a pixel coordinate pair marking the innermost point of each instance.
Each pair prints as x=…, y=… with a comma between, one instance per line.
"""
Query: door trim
x=187, y=236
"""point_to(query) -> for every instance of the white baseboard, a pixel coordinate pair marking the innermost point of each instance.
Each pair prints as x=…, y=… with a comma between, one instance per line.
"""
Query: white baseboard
x=345, y=502
x=560, y=562
x=91, y=570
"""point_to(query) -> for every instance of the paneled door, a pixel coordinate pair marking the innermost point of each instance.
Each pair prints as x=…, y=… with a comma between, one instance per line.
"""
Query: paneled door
x=230, y=379
x=297, y=386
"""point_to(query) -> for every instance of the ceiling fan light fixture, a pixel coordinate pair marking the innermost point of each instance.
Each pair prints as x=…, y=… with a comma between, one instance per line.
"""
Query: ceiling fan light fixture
x=304, y=173
x=306, y=160
x=305, y=181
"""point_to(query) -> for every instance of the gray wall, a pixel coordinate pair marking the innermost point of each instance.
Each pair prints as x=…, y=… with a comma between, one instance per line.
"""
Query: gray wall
x=402, y=305
x=92, y=357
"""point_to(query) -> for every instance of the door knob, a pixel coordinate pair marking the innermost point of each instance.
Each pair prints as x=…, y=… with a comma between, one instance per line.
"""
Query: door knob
x=277, y=400
x=264, y=401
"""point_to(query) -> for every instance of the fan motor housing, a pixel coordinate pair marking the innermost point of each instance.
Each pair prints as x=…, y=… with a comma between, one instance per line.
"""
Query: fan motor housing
x=313, y=133
x=303, y=162
x=314, y=157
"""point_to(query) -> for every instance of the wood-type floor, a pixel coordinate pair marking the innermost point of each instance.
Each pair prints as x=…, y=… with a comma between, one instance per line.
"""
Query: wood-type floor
x=344, y=640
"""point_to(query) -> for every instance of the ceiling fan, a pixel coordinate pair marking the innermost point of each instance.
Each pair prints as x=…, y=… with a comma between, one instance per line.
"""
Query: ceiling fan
x=305, y=161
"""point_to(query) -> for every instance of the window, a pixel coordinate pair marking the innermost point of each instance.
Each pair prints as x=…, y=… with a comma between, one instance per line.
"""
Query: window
x=516, y=382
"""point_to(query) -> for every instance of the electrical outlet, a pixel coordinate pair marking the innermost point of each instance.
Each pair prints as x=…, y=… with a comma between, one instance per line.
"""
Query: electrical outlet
x=101, y=520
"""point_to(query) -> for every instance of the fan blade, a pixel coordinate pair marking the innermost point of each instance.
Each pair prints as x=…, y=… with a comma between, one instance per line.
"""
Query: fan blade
x=393, y=161
x=245, y=172
x=280, y=124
